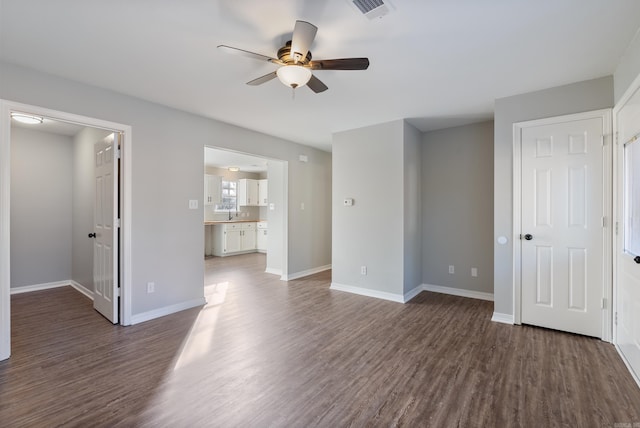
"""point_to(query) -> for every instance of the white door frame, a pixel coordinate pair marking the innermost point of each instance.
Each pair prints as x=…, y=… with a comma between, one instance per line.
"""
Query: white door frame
x=607, y=200
x=6, y=108
x=630, y=92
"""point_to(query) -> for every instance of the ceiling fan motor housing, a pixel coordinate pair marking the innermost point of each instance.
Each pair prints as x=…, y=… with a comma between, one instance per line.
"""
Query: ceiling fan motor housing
x=284, y=55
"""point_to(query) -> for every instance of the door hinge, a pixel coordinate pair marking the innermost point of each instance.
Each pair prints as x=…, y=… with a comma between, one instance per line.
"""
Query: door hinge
x=118, y=153
x=603, y=141
x=117, y=222
x=604, y=221
x=117, y=292
x=603, y=305
x=616, y=227
x=615, y=318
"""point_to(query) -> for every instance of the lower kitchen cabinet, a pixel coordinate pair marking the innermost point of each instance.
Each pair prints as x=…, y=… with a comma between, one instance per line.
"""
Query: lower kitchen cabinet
x=234, y=238
x=261, y=240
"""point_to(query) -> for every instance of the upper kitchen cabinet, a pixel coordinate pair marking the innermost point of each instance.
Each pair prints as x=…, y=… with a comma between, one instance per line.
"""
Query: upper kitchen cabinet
x=262, y=192
x=252, y=192
x=212, y=189
x=247, y=192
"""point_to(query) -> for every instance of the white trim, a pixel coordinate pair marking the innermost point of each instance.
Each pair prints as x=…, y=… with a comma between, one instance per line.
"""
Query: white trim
x=626, y=363
x=273, y=271
x=480, y=295
x=126, y=280
x=49, y=285
x=39, y=287
x=81, y=288
x=167, y=310
x=605, y=116
x=502, y=318
x=304, y=273
x=399, y=298
x=412, y=293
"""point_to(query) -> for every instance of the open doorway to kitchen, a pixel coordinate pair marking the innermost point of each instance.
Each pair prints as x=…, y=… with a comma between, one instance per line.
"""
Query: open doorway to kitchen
x=245, y=209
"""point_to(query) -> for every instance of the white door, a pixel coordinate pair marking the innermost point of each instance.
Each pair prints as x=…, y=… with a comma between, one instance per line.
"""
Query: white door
x=562, y=226
x=232, y=241
x=105, y=233
x=628, y=253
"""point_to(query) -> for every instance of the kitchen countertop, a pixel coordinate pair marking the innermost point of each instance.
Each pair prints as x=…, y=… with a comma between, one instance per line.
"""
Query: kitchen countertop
x=210, y=223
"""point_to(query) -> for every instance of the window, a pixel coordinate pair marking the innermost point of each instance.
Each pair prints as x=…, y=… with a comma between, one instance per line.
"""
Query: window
x=229, y=197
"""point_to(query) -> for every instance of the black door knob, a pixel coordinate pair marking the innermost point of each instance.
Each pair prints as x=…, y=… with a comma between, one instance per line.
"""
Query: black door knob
x=92, y=235
x=528, y=237
x=636, y=259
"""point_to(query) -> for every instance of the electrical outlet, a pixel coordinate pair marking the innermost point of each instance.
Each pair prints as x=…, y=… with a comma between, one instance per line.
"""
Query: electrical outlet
x=151, y=287
x=193, y=204
x=474, y=272
x=363, y=270
x=452, y=269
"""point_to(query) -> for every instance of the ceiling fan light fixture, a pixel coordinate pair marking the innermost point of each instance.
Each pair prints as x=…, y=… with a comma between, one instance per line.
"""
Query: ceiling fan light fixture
x=26, y=118
x=293, y=76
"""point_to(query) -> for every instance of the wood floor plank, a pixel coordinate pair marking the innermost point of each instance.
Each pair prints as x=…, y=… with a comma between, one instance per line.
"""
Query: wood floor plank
x=268, y=353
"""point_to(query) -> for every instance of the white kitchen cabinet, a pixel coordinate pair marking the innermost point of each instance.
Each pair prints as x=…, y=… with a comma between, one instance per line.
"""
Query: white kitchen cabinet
x=212, y=189
x=234, y=238
x=261, y=236
x=263, y=192
x=247, y=192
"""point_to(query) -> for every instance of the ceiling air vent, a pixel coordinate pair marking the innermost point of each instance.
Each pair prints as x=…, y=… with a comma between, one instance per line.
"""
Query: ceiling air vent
x=372, y=8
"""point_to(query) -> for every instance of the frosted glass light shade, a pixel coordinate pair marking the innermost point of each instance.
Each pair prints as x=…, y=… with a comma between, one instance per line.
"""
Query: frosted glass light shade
x=294, y=76
x=26, y=118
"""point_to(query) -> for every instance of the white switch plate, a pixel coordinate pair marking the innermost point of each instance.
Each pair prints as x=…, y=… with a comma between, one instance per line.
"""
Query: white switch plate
x=348, y=202
x=303, y=158
x=363, y=270
x=474, y=272
x=193, y=204
x=452, y=269
x=151, y=287
x=272, y=207
x=302, y=206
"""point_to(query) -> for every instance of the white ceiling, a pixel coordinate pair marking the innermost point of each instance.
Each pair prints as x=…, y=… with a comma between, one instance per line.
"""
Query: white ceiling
x=438, y=63
x=226, y=159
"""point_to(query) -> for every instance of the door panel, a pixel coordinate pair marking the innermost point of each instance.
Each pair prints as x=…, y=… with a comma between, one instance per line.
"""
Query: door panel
x=105, y=249
x=562, y=210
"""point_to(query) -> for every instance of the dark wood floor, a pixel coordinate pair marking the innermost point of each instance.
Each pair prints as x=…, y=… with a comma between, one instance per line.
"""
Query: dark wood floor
x=266, y=353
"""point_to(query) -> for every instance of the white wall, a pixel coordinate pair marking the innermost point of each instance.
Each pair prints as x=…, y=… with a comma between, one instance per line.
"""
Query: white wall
x=83, y=200
x=628, y=68
x=167, y=238
x=412, y=185
x=379, y=167
x=574, y=98
x=367, y=166
x=457, y=206
x=41, y=207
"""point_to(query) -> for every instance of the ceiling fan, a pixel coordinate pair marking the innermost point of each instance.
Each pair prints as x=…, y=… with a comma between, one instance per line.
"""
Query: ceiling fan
x=295, y=61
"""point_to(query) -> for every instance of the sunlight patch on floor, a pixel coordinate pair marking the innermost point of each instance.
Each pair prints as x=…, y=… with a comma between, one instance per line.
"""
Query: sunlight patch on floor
x=200, y=338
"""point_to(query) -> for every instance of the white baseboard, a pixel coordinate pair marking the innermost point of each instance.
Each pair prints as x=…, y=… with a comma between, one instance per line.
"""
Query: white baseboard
x=458, y=292
x=502, y=318
x=160, y=312
x=273, y=271
x=626, y=363
x=412, y=293
x=81, y=288
x=39, y=287
x=304, y=273
x=399, y=298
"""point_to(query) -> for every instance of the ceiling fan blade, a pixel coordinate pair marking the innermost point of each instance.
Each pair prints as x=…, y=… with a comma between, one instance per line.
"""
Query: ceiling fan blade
x=316, y=85
x=303, y=35
x=340, y=64
x=262, y=79
x=248, y=54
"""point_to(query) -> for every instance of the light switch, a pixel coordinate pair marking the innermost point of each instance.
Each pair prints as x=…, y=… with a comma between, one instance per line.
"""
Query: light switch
x=193, y=204
x=272, y=206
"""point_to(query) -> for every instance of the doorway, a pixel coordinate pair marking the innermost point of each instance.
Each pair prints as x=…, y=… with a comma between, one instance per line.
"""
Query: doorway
x=245, y=206
x=124, y=235
x=562, y=215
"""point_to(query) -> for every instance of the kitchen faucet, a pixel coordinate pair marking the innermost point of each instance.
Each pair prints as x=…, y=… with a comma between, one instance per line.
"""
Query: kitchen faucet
x=230, y=216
